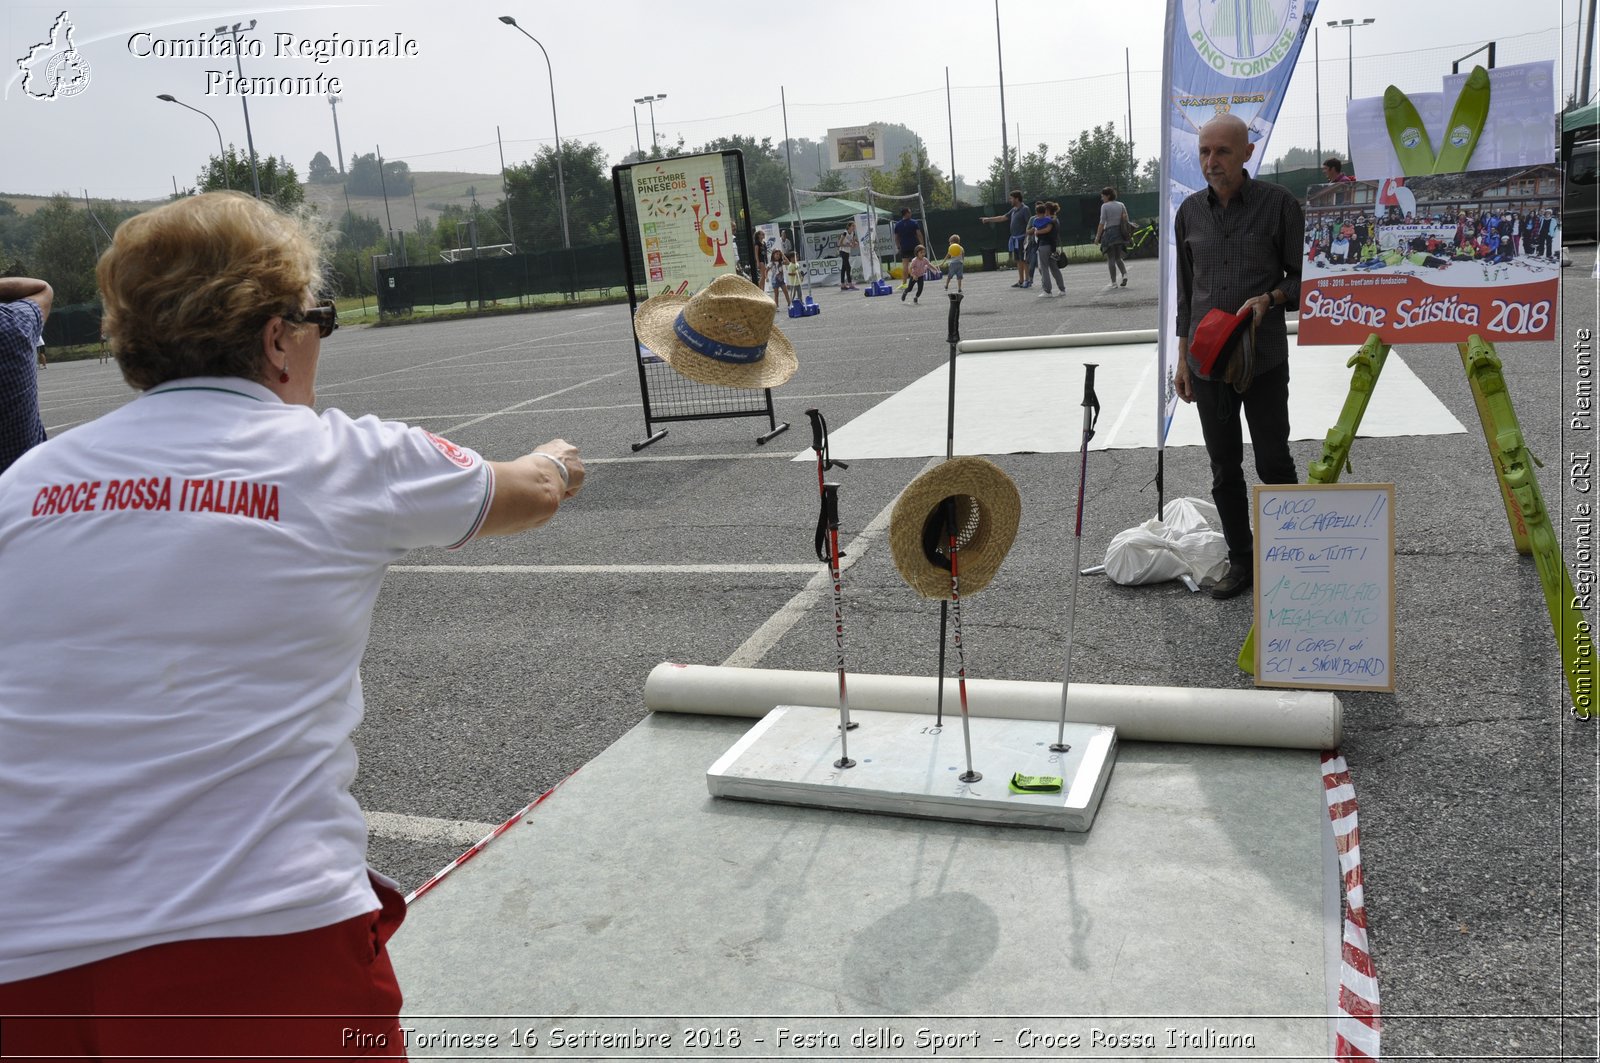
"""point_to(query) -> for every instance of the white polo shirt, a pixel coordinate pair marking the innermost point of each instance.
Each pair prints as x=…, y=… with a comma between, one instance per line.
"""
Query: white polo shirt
x=186, y=589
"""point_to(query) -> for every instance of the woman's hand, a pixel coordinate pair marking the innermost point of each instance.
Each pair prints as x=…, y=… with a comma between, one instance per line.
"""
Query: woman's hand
x=528, y=491
x=567, y=454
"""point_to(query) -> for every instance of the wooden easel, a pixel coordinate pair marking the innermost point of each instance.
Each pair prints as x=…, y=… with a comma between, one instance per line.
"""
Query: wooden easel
x=1531, y=528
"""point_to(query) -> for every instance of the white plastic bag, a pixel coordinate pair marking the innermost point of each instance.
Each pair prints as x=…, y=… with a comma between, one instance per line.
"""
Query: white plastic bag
x=1186, y=543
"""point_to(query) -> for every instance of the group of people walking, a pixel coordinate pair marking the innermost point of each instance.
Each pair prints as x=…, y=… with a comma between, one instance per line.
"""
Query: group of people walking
x=1035, y=240
x=1034, y=244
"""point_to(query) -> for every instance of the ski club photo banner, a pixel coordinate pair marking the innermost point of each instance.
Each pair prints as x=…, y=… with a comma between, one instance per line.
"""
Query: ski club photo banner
x=1456, y=230
x=686, y=232
x=1222, y=57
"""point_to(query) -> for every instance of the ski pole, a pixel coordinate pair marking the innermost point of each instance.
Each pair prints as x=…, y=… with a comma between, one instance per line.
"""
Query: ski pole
x=1091, y=414
x=949, y=508
x=827, y=546
x=830, y=517
x=952, y=337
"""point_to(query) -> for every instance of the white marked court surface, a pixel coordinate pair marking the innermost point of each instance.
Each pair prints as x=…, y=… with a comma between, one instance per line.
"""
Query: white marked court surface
x=1197, y=901
x=1030, y=401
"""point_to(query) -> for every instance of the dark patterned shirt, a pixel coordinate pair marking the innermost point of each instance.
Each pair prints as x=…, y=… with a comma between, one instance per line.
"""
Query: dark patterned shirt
x=1229, y=255
x=20, y=426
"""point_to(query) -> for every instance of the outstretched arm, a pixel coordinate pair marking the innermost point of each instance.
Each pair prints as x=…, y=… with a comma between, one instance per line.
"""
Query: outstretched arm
x=529, y=490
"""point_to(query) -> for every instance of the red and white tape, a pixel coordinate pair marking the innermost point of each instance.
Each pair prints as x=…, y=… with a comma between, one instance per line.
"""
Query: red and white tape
x=1357, y=1026
x=477, y=848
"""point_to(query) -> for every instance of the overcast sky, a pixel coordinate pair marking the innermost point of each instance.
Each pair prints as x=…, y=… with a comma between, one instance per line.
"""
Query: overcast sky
x=721, y=67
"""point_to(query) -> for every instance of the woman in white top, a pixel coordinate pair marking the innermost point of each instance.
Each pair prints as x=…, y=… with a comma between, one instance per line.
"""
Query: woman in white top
x=849, y=244
x=188, y=587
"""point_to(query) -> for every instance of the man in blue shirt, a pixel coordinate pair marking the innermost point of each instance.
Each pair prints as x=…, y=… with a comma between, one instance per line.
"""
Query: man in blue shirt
x=24, y=305
x=1017, y=216
x=907, y=238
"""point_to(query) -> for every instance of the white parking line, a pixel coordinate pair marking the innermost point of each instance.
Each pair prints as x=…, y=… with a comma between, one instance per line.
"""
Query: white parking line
x=760, y=643
x=701, y=570
x=332, y=385
x=634, y=406
x=530, y=402
x=460, y=832
x=646, y=459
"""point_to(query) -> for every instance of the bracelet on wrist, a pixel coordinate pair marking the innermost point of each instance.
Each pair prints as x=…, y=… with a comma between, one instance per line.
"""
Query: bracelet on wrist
x=566, y=474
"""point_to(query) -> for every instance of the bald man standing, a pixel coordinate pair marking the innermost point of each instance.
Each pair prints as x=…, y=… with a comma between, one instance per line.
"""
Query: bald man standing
x=1239, y=244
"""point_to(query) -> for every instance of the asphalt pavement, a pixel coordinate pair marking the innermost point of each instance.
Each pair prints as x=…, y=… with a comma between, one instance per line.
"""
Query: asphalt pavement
x=1480, y=823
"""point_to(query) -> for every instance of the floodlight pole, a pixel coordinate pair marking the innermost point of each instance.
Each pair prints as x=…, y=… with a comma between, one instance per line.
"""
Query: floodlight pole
x=651, y=100
x=222, y=152
x=561, y=180
x=244, y=98
x=1005, y=149
x=1350, y=25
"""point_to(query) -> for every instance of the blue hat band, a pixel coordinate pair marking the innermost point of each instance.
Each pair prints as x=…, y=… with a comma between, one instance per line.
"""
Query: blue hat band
x=700, y=343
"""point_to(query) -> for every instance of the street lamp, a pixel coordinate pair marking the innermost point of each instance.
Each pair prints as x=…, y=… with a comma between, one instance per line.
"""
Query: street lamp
x=244, y=98
x=1351, y=25
x=651, y=100
x=222, y=153
x=561, y=180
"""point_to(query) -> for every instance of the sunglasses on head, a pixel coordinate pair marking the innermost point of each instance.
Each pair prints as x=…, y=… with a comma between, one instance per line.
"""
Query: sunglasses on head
x=324, y=315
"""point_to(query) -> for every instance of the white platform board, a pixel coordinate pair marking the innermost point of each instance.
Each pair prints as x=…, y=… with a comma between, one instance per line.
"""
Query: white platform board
x=1204, y=897
x=1029, y=401
x=905, y=764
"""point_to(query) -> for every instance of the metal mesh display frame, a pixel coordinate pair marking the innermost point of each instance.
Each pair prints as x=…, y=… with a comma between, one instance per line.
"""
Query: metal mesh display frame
x=666, y=395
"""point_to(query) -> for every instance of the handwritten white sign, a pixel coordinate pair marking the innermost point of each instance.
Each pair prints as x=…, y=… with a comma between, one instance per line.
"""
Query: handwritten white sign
x=1324, y=597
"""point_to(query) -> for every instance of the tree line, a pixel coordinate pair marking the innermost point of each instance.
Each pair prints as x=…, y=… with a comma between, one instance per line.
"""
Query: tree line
x=61, y=241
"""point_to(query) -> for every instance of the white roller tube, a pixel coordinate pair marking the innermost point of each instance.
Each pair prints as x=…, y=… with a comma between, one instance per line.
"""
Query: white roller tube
x=1288, y=719
x=1081, y=339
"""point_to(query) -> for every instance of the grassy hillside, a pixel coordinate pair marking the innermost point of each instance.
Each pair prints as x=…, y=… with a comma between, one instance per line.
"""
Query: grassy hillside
x=434, y=189
x=27, y=204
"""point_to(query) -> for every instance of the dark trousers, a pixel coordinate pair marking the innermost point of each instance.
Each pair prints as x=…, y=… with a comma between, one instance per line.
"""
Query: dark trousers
x=1266, y=408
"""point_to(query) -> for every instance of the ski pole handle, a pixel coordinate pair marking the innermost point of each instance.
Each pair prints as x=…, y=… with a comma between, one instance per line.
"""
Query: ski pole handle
x=819, y=430
x=830, y=506
x=1091, y=401
x=819, y=440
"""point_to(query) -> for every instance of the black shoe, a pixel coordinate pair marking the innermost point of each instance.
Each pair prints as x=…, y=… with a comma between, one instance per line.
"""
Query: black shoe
x=1238, y=579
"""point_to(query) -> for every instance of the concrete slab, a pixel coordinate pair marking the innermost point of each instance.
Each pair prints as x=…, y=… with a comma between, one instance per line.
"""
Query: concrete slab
x=1198, y=902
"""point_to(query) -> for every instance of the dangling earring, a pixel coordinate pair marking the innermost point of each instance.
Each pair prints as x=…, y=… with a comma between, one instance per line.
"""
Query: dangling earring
x=283, y=374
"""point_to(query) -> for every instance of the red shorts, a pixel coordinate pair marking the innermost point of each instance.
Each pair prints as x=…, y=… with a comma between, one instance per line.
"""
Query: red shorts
x=221, y=998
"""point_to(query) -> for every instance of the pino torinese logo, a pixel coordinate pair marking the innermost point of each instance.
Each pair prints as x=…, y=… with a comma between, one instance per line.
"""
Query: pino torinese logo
x=1244, y=38
x=54, y=68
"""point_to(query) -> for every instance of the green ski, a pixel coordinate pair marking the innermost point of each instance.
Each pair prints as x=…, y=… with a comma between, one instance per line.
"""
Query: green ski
x=1514, y=463
x=1466, y=123
x=1408, y=133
